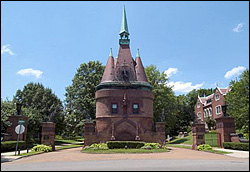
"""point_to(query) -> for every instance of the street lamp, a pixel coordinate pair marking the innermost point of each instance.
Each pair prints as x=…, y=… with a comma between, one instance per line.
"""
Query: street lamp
x=224, y=110
x=18, y=108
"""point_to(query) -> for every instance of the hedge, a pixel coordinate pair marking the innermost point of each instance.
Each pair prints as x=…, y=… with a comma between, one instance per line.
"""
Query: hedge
x=7, y=146
x=125, y=144
x=236, y=145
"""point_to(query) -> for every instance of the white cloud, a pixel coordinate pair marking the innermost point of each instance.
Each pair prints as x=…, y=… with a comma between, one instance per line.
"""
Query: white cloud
x=170, y=71
x=30, y=71
x=6, y=49
x=234, y=71
x=180, y=86
x=238, y=28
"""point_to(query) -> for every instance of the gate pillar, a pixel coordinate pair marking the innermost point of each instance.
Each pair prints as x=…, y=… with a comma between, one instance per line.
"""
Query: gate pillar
x=198, y=133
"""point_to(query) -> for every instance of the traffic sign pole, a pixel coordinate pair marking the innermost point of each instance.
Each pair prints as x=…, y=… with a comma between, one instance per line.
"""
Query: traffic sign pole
x=18, y=138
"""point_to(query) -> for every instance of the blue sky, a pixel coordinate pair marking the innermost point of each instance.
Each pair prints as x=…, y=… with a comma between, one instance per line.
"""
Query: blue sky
x=198, y=44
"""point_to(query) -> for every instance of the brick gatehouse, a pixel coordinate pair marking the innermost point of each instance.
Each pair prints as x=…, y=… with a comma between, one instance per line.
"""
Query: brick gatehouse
x=124, y=100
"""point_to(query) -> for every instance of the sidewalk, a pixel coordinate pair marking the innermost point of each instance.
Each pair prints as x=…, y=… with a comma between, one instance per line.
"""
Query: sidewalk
x=235, y=153
x=10, y=156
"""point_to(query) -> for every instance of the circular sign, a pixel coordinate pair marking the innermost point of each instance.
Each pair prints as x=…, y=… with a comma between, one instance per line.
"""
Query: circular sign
x=19, y=129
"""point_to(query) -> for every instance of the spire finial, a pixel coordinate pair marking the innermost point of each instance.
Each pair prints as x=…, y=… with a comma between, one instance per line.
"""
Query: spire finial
x=110, y=54
x=138, y=55
x=124, y=25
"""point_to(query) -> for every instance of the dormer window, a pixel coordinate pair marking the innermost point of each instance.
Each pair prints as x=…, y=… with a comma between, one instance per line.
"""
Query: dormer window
x=217, y=97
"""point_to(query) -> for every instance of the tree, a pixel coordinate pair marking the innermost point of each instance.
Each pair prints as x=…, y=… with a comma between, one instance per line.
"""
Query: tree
x=164, y=100
x=238, y=102
x=7, y=109
x=40, y=105
x=210, y=122
x=80, y=96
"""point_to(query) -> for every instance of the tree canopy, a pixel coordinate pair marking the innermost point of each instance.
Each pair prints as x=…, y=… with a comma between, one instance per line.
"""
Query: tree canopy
x=238, y=102
x=80, y=96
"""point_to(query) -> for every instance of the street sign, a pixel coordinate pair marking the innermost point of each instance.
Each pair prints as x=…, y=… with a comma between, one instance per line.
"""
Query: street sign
x=21, y=122
x=19, y=129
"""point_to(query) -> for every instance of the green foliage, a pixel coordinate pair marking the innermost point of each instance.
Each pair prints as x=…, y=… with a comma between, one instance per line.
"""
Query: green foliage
x=210, y=122
x=7, y=109
x=236, y=146
x=151, y=146
x=40, y=105
x=7, y=146
x=80, y=96
x=238, y=102
x=125, y=144
x=95, y=146
x=246, y=136
x=42, y=148
x=204, y=147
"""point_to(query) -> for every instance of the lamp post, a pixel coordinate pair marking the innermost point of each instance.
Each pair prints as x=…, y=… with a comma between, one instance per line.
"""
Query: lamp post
x=18, y=108
x=224, y=110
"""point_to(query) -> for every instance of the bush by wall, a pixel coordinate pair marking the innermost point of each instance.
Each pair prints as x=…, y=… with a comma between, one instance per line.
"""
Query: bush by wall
x=42, y=148
x=95, y=146
x=125, y=144
x=204, y=147
x=11, y=145
x=236, y=146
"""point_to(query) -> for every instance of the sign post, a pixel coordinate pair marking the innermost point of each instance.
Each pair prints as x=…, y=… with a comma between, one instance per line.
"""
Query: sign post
x=19, y=130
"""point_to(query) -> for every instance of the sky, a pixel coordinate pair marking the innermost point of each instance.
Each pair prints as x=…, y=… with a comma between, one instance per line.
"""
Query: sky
x=197, y=44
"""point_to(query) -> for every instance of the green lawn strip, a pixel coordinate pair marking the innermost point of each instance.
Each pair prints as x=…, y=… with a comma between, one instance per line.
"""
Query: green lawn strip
x=59, y=142
x=68, y=147
x=126, y=151
x=217, y=151
x=30, y=153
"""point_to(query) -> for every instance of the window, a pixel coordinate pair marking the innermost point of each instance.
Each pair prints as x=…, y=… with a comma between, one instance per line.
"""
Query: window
x=135, y=108
x=218, y=110
x=199, y=115
x=114, y=108
x=209, y=101
x=217, y=97
x=198, y=105
x=210, y=111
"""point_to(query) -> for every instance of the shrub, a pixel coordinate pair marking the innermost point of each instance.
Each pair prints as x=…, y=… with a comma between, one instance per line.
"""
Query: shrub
x=153, y=145
x=236, y=146
x=95, y=146
x=42, y=148
x=125, y=144
x=11, y=145
x=246, y=136
x=204, y=147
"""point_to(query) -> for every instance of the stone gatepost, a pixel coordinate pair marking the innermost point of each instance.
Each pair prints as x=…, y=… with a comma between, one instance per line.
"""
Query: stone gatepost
x=89, y=133
x=160, y=130
x=48, y=134
x=198, y=133
x=224, y=127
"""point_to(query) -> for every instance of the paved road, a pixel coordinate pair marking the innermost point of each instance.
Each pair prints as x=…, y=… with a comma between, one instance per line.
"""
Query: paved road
x=176, y=159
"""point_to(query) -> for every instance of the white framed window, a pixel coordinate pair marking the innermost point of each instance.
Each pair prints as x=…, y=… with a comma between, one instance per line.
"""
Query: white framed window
x=199, y=115
x=198, y=105
x=218, y=110
x=217, y=97
x=210, y=112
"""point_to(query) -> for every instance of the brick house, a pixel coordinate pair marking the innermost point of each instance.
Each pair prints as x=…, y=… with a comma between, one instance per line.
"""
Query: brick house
x=124, y=100
x=211, y=105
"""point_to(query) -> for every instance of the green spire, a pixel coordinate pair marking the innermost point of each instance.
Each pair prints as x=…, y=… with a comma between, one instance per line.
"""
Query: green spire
x=124, y=26
x=110, y=54
x=138, y=55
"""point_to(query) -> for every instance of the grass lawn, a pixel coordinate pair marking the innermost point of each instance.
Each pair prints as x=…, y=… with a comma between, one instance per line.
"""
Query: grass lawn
x=59, y=142
x=111, y=151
